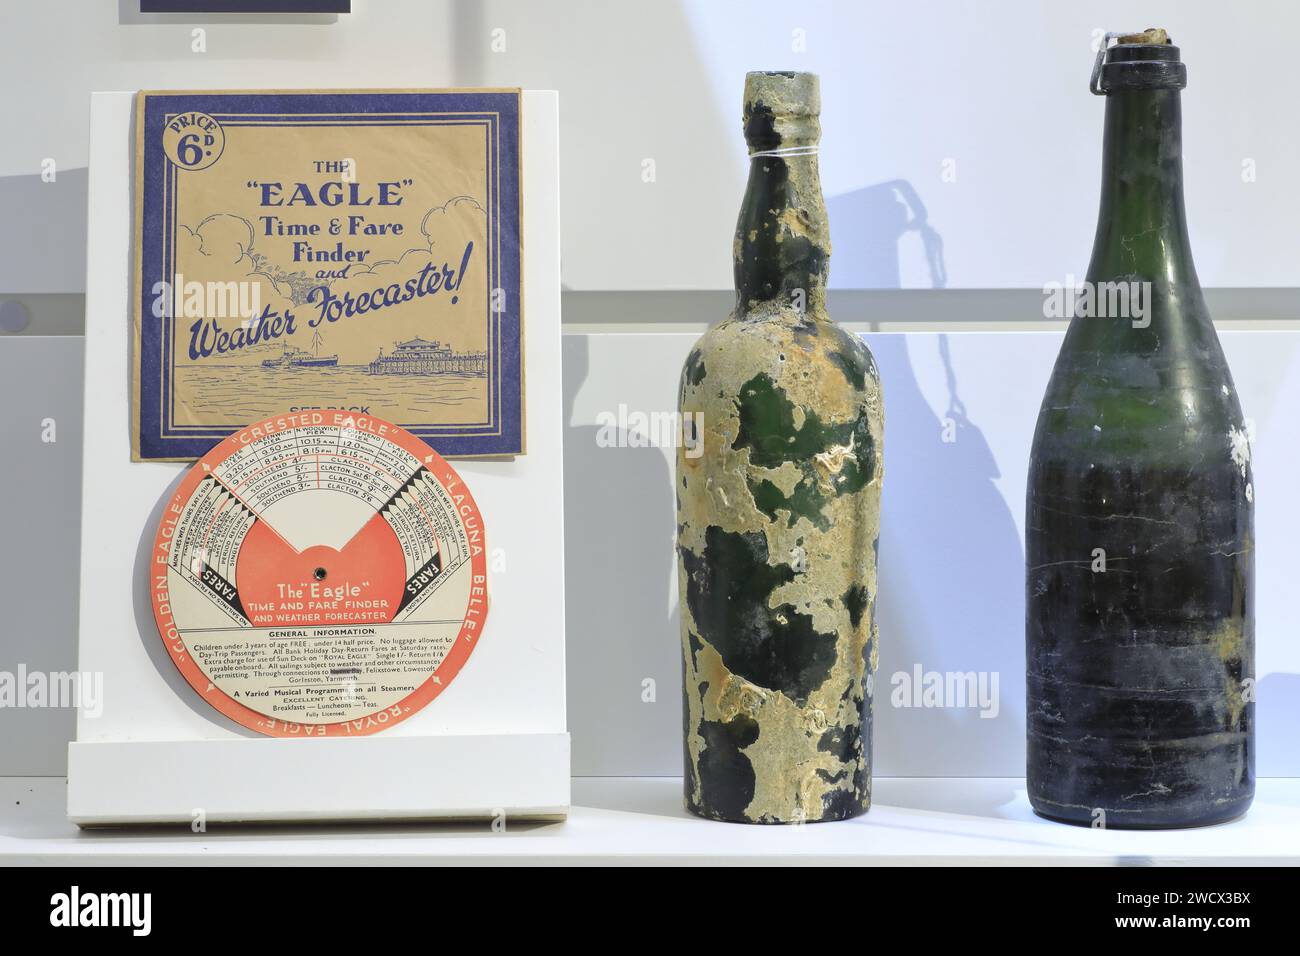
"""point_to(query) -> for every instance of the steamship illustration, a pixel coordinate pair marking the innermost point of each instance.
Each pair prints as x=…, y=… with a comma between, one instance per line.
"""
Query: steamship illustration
x=422, y=357
x=300, y=358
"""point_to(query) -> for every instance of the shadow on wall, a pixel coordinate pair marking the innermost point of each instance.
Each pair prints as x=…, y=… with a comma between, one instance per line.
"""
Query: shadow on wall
x=951, y=558
x=870, y=228
x=620, y=569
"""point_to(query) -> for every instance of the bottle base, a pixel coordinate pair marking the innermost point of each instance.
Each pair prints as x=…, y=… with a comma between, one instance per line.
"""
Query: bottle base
x=1145, y=820
x=842, y=811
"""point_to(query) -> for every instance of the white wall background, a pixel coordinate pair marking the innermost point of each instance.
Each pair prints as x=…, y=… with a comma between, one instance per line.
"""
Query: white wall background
x=999, y=89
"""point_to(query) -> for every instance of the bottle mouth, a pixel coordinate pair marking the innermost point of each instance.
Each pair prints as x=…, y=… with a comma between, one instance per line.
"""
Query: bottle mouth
x=781, y=111
x=1138, y=61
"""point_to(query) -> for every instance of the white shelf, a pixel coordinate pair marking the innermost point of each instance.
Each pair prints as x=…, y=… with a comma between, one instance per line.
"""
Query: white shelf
x=641, y=820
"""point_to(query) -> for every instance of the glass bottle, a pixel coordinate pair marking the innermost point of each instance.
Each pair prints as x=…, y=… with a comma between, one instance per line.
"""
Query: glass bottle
x=1139, y=542
x=778, y=506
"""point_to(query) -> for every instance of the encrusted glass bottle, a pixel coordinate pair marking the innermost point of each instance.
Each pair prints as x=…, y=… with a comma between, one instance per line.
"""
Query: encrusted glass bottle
x=778, y=506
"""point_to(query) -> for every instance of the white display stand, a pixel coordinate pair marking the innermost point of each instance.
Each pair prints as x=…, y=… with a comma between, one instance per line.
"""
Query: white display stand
x=493, y=744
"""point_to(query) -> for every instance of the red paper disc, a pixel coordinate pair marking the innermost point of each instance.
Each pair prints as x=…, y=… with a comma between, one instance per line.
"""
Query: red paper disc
x=320, y=574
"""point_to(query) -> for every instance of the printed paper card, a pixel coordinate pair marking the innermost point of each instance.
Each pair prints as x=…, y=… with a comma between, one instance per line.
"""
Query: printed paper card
x=304, y=250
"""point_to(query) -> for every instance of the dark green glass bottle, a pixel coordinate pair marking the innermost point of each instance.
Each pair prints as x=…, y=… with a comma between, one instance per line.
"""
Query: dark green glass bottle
x=1139, y=539
x=778, y=506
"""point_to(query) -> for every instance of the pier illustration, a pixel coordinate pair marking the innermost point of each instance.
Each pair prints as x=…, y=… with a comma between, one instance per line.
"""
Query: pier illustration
x=423, y=357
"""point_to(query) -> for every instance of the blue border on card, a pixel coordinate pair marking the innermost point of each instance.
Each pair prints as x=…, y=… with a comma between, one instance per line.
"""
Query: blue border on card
x=498, y=112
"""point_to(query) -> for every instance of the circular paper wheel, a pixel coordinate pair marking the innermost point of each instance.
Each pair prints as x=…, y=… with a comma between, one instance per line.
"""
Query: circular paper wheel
x=320, y=574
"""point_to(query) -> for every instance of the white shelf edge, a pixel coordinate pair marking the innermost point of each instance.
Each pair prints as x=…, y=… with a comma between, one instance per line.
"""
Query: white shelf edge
x=630, y=820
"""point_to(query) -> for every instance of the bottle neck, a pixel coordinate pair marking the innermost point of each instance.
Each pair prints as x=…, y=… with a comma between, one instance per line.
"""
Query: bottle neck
x=1142, y=258
x=782, y=247
x=1142, y=225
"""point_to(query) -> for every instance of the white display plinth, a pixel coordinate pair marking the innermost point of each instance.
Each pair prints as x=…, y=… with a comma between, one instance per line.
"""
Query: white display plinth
x=323, y=779
x=494, y=743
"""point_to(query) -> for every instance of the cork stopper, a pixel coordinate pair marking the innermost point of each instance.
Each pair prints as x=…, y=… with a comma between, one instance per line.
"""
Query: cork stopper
x=1151, y=35
x=782, y=109
x=1138, y=61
